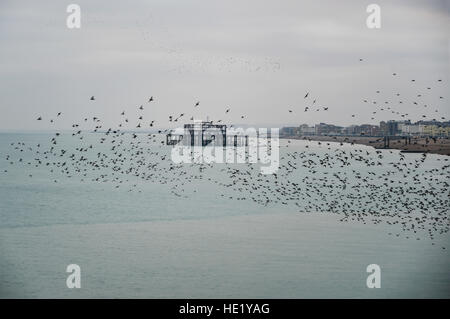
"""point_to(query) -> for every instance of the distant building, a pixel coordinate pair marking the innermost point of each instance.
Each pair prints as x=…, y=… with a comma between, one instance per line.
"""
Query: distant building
x=389, y=128
x=367, y=130
x=289, y=131
x=413, y=130
x=306, y=130
x=328, y=129
x=364, y=130
x=436, y=131
x=383, y=128
x=431, y=128
x=402, y=124
x=376, y=131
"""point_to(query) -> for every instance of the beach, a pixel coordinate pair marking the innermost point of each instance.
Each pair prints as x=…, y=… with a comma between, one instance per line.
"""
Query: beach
x=416, y=144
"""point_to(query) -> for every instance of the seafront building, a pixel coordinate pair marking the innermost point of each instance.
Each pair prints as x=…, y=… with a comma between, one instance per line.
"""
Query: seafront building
x=386, y=128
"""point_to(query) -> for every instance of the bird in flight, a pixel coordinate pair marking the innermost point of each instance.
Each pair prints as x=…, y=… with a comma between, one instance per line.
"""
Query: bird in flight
x=92, y=98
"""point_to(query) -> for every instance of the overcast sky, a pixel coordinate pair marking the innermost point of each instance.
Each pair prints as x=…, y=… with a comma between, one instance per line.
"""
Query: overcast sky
x=257, y=57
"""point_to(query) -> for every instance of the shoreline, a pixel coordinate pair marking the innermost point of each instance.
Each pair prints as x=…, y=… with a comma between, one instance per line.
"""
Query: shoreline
x=439, y=146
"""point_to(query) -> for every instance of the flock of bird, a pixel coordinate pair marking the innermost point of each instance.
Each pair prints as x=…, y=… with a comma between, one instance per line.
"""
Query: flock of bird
x=357, y=183
x=393, y=107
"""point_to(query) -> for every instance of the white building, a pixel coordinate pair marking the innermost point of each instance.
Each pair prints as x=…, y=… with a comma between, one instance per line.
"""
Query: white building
x=416, y=129
x=304, y=129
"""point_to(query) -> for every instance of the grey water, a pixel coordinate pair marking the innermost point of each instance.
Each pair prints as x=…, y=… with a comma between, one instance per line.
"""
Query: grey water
x=145, y=240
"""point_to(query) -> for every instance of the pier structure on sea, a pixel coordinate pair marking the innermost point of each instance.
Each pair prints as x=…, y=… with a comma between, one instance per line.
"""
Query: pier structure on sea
x=207, y=133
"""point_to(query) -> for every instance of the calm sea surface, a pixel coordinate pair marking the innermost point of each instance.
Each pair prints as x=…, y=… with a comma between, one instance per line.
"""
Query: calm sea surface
x=172, y=237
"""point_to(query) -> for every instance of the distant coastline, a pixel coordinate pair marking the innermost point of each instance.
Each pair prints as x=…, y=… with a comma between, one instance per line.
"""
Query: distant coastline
x=439, y=145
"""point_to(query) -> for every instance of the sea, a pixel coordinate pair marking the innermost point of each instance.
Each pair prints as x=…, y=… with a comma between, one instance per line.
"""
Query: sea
x=176, y=236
